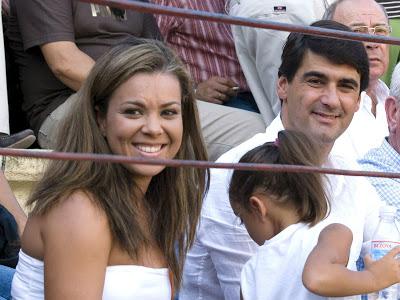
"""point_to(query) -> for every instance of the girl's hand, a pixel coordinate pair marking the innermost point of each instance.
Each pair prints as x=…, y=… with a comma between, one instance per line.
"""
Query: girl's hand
x=385, y=271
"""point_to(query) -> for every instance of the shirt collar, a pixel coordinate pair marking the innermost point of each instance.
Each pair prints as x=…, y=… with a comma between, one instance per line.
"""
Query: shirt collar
x=391, y=155
x=382, y=91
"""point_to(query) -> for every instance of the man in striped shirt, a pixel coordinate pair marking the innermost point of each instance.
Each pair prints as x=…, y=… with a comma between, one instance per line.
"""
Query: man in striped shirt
x=206, y=48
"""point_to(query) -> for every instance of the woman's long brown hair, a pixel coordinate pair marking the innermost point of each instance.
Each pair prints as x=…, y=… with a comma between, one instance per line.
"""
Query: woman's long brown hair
x=174, y=197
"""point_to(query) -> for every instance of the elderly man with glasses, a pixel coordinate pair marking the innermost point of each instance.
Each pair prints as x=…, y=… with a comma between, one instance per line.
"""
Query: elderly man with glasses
x=369, y=125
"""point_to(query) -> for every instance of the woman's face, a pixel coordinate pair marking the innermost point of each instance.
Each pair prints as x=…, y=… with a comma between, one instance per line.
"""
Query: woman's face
x=144, y=119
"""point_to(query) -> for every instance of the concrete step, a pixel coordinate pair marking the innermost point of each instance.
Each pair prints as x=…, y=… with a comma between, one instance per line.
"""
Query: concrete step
x=22, y=174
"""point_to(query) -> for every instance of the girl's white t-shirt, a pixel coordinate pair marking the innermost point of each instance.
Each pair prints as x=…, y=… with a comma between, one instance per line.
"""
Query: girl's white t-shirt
x=275, y=271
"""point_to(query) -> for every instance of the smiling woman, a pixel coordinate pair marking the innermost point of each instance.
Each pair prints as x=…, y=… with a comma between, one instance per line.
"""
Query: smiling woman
x=110, y=231
x=144, y=119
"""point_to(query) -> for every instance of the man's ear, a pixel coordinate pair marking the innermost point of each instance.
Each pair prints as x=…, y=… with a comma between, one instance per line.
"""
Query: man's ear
x=392, y=109
x=358, y=103
x=282, y=87
x=258, y=207
x=101, y=121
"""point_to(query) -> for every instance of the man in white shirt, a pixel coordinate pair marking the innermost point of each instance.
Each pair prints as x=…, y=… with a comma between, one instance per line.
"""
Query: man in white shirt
x=369, y=125
x=320, y=81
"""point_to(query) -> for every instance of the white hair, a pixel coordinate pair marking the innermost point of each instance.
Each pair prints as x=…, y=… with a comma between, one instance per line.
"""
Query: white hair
x=395, y=83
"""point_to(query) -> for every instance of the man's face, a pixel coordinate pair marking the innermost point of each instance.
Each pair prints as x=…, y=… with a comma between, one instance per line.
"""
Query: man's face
x=321, y=99
x=356, y=13
x=392, y=107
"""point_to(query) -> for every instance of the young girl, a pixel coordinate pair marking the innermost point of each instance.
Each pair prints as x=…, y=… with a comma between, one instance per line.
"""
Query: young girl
x=284, y=213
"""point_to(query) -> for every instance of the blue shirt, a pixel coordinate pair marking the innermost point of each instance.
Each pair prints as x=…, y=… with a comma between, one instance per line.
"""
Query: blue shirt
x=384, y=159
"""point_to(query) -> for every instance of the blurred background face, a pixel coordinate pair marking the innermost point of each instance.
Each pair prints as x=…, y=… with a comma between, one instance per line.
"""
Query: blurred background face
x=144, y=119
x=360, y=13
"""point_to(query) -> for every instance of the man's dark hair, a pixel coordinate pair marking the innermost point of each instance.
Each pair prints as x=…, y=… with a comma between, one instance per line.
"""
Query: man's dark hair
x=340, y=52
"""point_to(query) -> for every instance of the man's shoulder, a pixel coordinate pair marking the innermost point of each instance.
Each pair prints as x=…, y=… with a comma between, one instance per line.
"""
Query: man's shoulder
x=372, y=160
x=269, y=135
x=383, y=158
x=236, y=153
x=37, y=30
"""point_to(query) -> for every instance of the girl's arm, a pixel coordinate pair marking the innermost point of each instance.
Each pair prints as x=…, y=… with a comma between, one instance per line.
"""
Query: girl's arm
x=77, y=243
x=325, y=271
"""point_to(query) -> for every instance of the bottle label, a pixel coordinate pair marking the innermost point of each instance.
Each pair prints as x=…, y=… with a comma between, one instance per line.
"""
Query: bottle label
x=378, y=250
x=381, y=248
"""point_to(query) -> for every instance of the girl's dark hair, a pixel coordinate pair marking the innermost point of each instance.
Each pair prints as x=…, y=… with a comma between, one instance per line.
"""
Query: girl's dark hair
x=303, y=191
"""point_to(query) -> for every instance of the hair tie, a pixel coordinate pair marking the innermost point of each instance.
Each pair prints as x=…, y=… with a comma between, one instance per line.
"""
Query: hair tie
x=276, y=143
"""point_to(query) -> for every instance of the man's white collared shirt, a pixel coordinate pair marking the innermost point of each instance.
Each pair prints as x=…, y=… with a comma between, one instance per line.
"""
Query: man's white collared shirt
x=213, y=266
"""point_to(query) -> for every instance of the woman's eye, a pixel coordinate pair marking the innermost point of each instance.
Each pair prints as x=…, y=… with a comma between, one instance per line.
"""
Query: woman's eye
x=132, y=112
x=169, y=112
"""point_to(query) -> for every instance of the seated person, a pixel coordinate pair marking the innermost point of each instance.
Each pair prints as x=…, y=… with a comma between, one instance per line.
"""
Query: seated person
x=284, y=213
x=55, y=43
x=317, y=76
x=386, y=158
x=56, y=53
x=110, y=230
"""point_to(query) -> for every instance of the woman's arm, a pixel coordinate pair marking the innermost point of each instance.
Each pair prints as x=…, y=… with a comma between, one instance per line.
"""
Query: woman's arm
x=76, y=247
x=8, y=200
x=325, y=271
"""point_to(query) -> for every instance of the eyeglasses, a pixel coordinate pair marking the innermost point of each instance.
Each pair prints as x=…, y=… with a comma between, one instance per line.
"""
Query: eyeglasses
x=377, y=30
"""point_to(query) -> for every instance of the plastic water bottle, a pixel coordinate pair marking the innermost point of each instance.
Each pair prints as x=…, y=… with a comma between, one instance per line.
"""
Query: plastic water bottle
x=385, y=238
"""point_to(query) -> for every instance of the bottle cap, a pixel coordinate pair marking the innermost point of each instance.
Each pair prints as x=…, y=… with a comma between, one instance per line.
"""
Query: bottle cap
x=388, y=210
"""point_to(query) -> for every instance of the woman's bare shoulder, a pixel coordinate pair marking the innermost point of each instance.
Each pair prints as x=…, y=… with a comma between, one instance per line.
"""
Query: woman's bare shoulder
x=77, y=216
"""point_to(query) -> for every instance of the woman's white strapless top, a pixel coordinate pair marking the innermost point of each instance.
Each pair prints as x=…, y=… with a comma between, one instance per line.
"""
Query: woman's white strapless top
x=121, y=281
